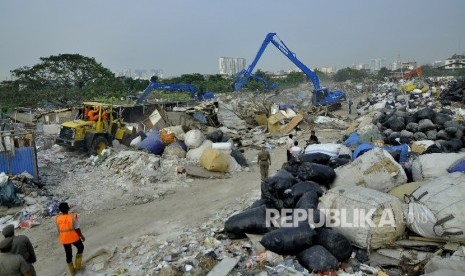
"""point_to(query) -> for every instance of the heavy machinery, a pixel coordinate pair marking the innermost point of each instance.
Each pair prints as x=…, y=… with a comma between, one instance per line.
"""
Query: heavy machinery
x=322, y=96
x=267, y=85
x=418, y=71
x=94, y=128
x=154, y=85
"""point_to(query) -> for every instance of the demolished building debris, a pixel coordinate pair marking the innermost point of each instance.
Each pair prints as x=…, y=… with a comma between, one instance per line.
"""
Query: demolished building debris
x=404, y=153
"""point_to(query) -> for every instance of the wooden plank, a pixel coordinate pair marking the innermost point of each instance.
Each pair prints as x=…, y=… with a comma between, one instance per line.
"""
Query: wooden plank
x=255, y=240
x=224, y=267
x=275, y=118
x=272, y=128
x=203, y=173
x=292, y=124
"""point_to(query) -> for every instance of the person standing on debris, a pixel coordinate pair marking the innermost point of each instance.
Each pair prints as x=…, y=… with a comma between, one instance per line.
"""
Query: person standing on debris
x=10, y=263
x=264, y=161
x=289, y=145
x=21, y=246
x=70, y=234
x=313, y=139
x=296, y=150
x=350, y=105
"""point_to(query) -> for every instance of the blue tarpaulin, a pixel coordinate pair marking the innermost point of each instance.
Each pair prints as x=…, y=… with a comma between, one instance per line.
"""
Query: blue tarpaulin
x=403, y=149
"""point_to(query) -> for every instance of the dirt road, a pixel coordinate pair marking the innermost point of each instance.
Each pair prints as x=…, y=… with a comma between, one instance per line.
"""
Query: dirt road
x=165, y=218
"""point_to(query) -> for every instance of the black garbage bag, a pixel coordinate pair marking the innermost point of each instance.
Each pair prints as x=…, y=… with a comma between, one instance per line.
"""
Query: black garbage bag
x=292, y=166
x=258, y=203
x=338, y=161
x=395, y=123
x=321, y=174
x=239, y=157
x=8, y=196
x=251, y=221
x=292, y=195
x=319, y=158
x=441, y=118
x=337, y=244
x=433, y=149
x=317, y=259
x=215, y=136
x=425, y=113
x=309, y=200
x=273, y=188
x=289, y=240
x=453, y=145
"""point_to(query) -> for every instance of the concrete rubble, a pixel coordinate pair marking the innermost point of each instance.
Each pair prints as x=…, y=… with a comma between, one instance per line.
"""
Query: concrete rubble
x=371, y=161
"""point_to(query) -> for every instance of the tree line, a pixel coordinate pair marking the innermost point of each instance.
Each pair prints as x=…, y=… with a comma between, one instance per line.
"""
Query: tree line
x=68, y=79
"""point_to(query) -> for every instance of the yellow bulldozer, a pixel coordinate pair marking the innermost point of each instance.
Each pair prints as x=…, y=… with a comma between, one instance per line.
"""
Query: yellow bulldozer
x=94, y=128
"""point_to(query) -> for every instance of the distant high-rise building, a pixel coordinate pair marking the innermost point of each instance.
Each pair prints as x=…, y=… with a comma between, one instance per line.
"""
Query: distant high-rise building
x=126, y=73
x=455, y=62
x=231, y=66
x=377, y=64
x=141, y=73
x=326, y=70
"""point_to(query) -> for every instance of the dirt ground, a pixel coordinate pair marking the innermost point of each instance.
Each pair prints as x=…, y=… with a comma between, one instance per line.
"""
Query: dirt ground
x=164, y=218
x=188, y=206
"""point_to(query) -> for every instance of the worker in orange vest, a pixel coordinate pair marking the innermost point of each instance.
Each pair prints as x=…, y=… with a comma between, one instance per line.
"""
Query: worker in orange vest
x=70, y=234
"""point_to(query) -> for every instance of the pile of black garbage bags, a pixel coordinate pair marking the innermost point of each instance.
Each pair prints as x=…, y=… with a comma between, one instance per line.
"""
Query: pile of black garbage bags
x=424, y=124
x=298, y=185
x=455, y=92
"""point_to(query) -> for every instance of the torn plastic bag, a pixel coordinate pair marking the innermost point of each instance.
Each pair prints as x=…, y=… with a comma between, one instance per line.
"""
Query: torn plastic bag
x=289, y=240
x=8, y=196
x=317, y=259
x=252, y=221
x=321, y=174
x=335, y=243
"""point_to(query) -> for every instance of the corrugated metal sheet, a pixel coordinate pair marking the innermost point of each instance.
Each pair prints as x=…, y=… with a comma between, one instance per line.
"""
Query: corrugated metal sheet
x=4, y=162
x=23, y=160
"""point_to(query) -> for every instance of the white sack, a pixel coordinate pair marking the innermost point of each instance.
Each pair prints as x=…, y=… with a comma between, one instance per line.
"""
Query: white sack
x=351, y=200
x=437, y=209
x=375, y=169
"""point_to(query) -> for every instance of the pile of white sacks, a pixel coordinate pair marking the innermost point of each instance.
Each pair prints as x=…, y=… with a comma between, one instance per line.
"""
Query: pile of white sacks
x=432, y=206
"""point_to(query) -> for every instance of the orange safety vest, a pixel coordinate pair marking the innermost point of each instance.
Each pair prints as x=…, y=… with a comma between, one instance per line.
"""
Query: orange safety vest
x=93, y=115
x=66, y=231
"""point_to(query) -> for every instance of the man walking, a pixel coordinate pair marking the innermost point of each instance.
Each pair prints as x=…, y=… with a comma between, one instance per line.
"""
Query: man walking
x=70, y=234
x=264, y=162
x=21, y=245
x=289, y=145
x=12, y=264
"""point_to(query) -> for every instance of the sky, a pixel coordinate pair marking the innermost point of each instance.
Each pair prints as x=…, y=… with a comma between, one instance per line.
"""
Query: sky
x=189, y=36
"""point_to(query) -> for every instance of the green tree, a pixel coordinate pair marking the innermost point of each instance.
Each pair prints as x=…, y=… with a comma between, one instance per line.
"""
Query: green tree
x=382, y=73
x=295, y=77
x=350, y=74
x=65, y=70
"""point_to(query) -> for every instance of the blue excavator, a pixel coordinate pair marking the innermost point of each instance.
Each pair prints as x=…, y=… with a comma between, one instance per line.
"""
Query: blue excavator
x=155, y=85
x=267, y=85
x=322, y=96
